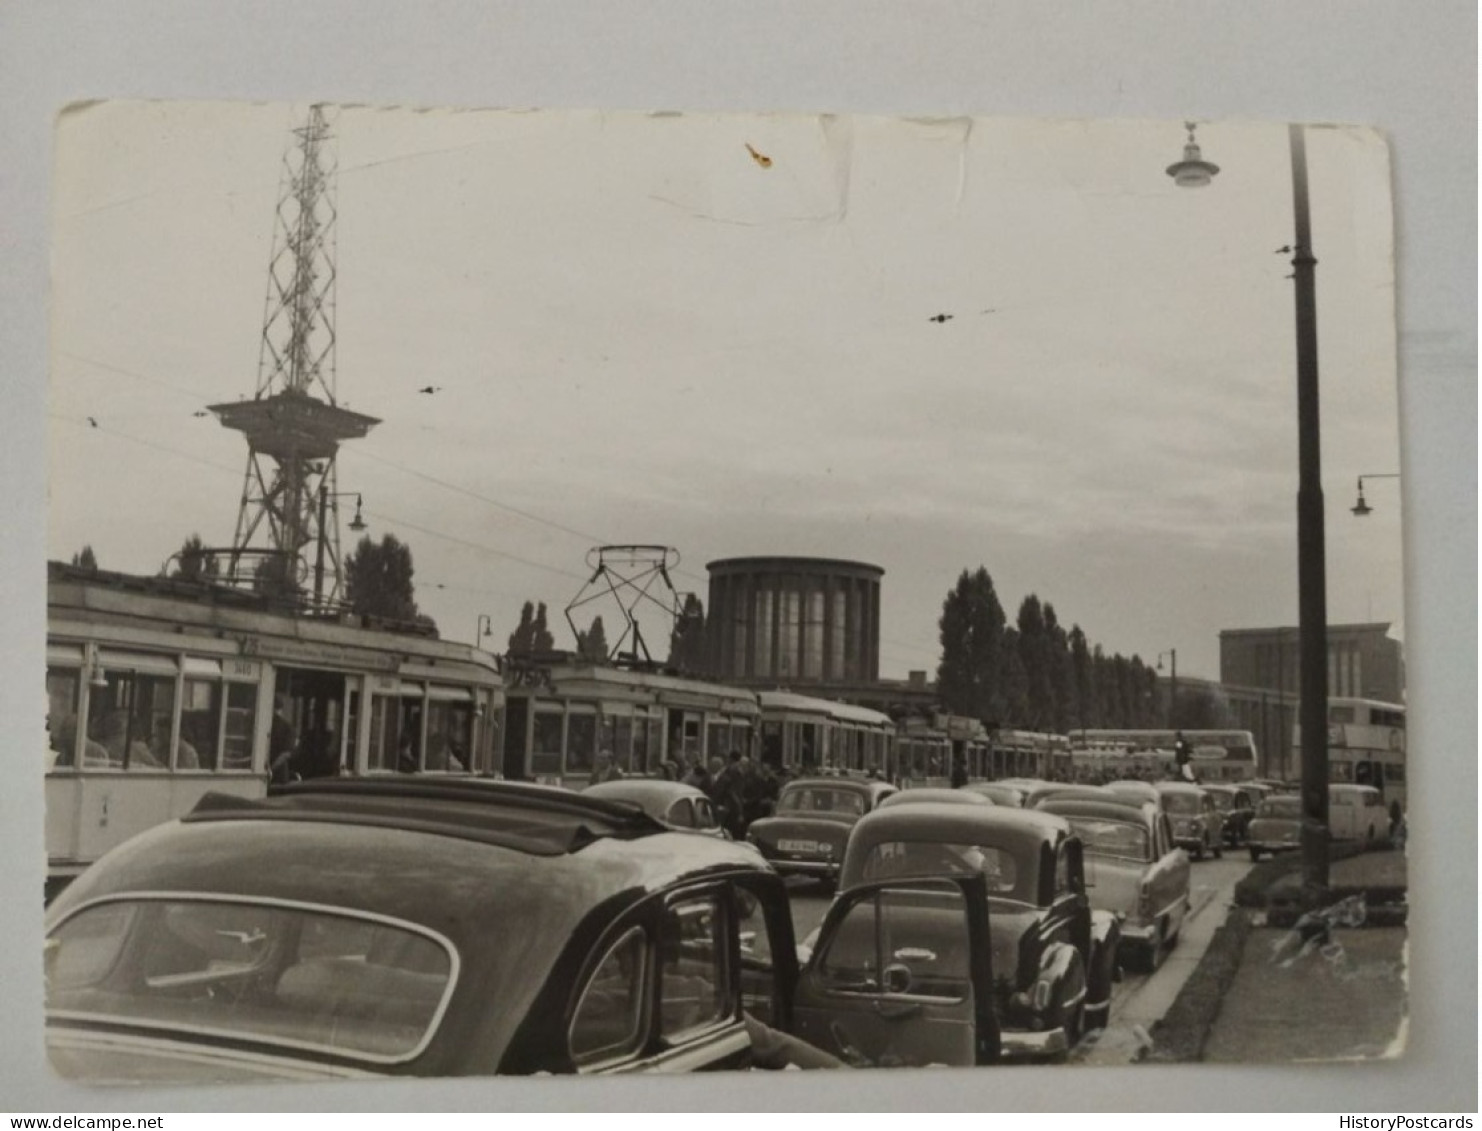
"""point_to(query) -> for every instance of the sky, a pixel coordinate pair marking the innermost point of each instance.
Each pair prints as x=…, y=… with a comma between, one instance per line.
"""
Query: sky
x=642, y=332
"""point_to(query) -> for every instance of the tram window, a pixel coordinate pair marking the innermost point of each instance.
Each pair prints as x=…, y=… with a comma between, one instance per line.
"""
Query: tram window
x=385, y=732
x=200, y=725
x=741, y=738
x=581, y=742
x=130, y=718
x=63, y=686
x=241, y=713
x=545, y=743
x=772, y=744
x=1394, y=773
x=620, y=742
x=645, y=756
x=717, y=744
x=449, y=736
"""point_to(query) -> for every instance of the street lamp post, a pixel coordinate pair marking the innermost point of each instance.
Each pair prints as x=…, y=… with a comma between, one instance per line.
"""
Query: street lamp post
x=357, y=524
x=1172, y=655
x=485, y=628
x=1193, y=172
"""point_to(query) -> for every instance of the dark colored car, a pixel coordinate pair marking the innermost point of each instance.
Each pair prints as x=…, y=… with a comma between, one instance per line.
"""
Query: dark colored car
x=358, y=927
x=1054, y=958
x=1237, y=805
x=1196, y=823
x=1276, y=827
x=806, y=836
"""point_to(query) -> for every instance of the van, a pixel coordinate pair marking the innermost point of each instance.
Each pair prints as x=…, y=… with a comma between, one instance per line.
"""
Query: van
x=1356, y=812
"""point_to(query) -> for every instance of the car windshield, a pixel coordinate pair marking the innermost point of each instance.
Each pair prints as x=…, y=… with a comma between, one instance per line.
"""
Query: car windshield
x=1181, y=802
x=1111, y=838
x=1224, y=802
x=821, y=799
x=276, y=974
x=920, y=859
x=1285, y=807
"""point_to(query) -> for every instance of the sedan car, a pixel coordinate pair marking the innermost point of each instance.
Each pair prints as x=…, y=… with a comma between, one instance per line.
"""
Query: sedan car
x=806, y=836
x=1196, y=822
x=937, y=796
x=1134, y=871
x=673, y=804
x=1139, y=791
x=1000, y=793
x=1237, y=805
x=358, y=927
x=1054, y=958
x=1276, y=827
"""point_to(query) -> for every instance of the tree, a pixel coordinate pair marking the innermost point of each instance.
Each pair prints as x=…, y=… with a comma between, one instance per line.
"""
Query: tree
x=971, y=626
x=592, y=644
x=532, y=635
x=687, y=641
x=378, y=580
x=85, y=558
x=1087, y=710
x=193, y=563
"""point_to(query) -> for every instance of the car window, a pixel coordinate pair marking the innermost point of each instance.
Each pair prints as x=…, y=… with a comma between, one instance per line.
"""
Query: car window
x=682, y=814
x=609, y=1020
x=911, y=942
x=694, y=990
x=822, y=799
x=1111, y=838
x=1183, y=803
x=904, y=859
x=271, y=973
x=704, y=817
x=1062, y=869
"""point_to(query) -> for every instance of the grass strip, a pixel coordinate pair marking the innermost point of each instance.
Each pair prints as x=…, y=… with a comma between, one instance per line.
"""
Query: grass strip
x=1179, y=1037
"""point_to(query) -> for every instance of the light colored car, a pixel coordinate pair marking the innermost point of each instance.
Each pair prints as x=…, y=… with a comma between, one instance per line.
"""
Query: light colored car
x=673, y=804
x=939, y=796
x=1357, y=812
x=1133, y=870
x=807, y=834
x=1139, y=791
x=1197, y=825
x=1276, y=827
x=998, y=792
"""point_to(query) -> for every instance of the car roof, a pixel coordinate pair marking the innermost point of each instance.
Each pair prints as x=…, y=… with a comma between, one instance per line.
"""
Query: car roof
x=1103, y=810
x=1178, y=787
x=862, y=785
x=639, y=791
x=936, y=797
x=952, y=823
x=1089, y=792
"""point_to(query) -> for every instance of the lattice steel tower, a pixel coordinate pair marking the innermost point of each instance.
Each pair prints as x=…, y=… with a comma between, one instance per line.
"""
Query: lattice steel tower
x=292, y=423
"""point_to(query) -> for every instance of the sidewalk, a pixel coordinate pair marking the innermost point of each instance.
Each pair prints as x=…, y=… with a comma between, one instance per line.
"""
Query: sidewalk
x=1345, y=998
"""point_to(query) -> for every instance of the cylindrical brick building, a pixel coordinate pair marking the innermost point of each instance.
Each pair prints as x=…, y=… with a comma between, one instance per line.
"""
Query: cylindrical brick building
x=789, y=621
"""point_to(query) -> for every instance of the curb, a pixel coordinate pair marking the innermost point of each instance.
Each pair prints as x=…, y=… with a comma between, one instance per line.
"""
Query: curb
x=1180, y=1036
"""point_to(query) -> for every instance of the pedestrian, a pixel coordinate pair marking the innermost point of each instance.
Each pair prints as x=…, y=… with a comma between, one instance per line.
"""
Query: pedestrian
x=605, y=769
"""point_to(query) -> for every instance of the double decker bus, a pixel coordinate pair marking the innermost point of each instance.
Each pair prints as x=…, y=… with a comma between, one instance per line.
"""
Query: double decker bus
x=1366, y=745
x=159, y=691
x=1214, y=755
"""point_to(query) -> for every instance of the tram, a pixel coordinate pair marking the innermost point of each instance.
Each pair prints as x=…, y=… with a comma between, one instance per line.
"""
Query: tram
x=803, y=735
x=562, y=710
x=159, y=691
x=1030, y=754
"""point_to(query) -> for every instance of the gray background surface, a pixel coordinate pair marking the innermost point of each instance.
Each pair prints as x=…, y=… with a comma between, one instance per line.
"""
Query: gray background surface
x=1408, y=69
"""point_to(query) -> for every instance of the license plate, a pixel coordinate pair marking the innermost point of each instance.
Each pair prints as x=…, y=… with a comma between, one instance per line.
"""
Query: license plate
x=810, y=846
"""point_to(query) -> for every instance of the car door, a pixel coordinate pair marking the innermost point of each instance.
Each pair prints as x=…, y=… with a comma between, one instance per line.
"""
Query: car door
x=902, y=977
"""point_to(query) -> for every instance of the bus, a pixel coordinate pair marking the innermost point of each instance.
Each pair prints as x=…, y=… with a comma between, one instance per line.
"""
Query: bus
x=562, y=710
x=1214, y=755
x=1366, y=745
x=161, y=690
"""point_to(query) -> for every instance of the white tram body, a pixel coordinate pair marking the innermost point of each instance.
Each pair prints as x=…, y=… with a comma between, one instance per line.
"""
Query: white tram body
x=806, y=735
x=1030, y=754
x=160, y=691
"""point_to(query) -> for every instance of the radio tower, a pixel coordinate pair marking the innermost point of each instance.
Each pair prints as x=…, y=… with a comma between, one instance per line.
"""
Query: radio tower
x=293, y=424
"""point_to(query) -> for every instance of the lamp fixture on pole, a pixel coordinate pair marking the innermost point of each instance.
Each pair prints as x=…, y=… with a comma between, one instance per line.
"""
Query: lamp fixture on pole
x=357, y=524
x=1193, y=172
x=485, y=628
x=1362, y=508
x=1172, y=655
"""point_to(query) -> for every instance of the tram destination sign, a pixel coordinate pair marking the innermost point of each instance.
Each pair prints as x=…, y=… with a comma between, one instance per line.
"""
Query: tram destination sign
x=329, y=655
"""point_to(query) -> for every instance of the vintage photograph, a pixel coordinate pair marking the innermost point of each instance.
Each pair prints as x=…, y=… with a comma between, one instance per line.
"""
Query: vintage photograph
x=589, y=592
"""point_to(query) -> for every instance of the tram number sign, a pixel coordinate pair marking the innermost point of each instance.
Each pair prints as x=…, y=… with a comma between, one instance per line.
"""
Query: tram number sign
x=523, y=675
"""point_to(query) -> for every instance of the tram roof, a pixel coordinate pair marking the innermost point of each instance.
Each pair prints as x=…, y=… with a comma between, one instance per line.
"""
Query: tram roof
x=843, y=712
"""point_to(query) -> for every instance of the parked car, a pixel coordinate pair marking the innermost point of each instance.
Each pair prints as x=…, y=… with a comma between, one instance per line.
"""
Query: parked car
x=1276, y=827
x=807, y=835
x=1196, y=822
x=673, y=804
x=1237, y=805
x=1133, y=870
x=936, y=796
x=1139, y=791
x=1082, y=792
x=351, y=927
x=1054, y=958
x=1000, y=793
